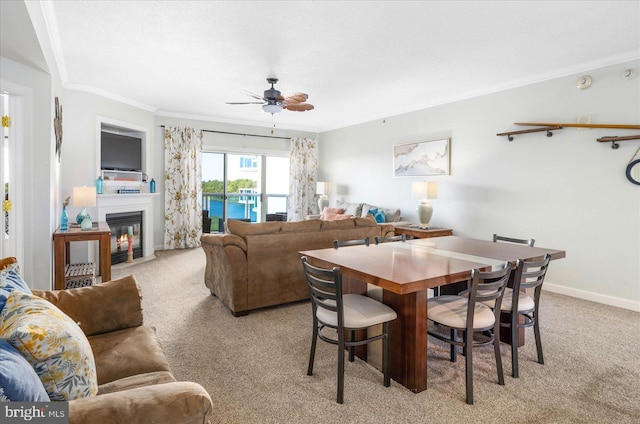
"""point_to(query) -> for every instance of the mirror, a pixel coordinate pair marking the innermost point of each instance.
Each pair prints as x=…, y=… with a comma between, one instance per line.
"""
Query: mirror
x=633, y=171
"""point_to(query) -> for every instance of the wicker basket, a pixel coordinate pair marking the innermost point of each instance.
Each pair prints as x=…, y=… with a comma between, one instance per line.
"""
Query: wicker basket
x=80, y=275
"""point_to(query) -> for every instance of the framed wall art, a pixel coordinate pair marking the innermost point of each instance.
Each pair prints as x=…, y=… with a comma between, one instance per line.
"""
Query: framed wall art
x=422, y=159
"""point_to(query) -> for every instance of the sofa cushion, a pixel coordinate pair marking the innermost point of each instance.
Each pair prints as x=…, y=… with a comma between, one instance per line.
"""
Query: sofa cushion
x=10, y=280
x=336, y=216
x=242, y=229
x=52, y=343
x=300, y=226
x=391, y=215
x=354, y=209
x=134, y=381
x=109, y=306
x=5, y=262
x=128, y=352
x=330, y=212
x=18, y=380
x=378, y=215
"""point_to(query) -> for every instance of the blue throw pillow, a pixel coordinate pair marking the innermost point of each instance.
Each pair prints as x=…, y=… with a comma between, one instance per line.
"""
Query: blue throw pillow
x=18, y=380
x=378, y=215
x=10, y=280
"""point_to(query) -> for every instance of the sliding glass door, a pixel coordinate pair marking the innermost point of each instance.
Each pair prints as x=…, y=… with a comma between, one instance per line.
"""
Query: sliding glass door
x=248, y=187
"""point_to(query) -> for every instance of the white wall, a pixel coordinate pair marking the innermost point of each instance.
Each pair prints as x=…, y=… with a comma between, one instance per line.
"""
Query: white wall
x=82, y=113
x=568, y=191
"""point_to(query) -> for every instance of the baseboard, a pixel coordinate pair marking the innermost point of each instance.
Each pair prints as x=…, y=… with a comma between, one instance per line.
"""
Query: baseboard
x=594, y=297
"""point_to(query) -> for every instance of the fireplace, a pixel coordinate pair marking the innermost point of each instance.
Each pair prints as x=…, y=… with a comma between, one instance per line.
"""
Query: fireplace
x=121, y=225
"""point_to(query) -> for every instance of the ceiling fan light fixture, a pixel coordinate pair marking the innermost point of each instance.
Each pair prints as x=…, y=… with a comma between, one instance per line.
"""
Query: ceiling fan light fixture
x=271, y=108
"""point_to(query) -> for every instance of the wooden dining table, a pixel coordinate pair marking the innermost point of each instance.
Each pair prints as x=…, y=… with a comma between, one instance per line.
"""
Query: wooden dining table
x=405, y=271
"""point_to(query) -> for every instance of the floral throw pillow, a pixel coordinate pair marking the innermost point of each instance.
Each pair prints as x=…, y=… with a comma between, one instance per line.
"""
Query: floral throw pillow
x=52, y=343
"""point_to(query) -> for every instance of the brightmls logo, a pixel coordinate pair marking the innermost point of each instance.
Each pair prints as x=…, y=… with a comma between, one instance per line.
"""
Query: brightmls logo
x=35, y=412
x=26, y=413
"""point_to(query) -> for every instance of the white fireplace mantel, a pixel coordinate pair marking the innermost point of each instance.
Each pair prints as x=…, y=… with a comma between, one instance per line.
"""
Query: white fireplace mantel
x=135, y=202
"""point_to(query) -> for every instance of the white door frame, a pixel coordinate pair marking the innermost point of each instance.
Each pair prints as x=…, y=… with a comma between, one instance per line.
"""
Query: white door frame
x=20, y=99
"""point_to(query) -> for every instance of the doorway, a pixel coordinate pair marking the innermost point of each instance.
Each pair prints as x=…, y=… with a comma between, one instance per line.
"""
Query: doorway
x=244, y=186
x=9, y=159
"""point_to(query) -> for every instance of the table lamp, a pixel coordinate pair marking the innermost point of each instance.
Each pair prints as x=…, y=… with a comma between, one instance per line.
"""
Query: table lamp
x=84, y=197
x=424, y=190
x=322, y=189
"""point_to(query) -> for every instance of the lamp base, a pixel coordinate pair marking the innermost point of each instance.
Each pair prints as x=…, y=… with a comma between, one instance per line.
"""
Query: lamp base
x=425, y=212
x=84, y=214
x=323, y=202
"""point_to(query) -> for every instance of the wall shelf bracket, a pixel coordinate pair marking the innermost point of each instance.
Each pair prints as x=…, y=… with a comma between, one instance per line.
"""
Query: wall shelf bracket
x=548, y=129
x=614, y=140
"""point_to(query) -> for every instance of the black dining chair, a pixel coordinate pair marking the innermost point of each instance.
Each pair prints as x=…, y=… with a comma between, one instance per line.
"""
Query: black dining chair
x=343, y=243
x=468, y=314
x=344, y=313
x=400, y=237
x=528, y=275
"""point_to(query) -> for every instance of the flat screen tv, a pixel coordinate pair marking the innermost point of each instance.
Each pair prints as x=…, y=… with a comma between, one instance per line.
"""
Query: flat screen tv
x=120, y=152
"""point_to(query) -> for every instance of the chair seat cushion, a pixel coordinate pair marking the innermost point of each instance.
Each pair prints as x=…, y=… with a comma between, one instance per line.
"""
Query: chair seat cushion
x=452, y=312
x=525, y=302
x=359, y=312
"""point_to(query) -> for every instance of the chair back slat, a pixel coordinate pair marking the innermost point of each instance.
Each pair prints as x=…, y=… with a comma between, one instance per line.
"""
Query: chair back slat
x=401, y=237
x=325, y=288
x=487, y=285
x=531, y=273
x=529, y=242
x=343, y=243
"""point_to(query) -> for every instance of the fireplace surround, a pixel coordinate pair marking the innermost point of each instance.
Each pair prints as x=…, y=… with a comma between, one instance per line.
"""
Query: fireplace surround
x=126, y=203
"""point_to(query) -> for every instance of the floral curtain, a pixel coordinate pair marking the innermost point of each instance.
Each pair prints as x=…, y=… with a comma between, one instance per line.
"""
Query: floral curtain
x=182, y=187
x=302, y=180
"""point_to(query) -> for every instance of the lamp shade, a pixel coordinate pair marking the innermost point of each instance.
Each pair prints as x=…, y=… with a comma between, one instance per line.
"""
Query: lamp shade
x=84, y=196
x=424, y=190
x=322, y=188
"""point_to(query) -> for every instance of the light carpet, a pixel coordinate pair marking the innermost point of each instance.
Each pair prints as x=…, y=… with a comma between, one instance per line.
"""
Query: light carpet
x=254, y=367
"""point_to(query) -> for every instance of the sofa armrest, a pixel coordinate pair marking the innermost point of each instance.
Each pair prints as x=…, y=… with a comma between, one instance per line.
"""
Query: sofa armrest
x=223, y=240
x=226, y=271
x=170, y=403
x=111, y=306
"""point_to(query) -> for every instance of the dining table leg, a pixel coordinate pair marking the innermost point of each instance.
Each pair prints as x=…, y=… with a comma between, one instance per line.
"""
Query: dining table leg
x=408, y=341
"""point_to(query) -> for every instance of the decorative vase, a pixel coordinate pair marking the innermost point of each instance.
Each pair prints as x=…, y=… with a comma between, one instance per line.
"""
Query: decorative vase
x=64, y=219
x=99, y=185
x=82, y=215
x=86, y=224
x=152, y=186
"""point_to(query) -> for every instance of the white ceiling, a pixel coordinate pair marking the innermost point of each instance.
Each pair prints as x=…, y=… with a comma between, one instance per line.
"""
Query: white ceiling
x=357, y=60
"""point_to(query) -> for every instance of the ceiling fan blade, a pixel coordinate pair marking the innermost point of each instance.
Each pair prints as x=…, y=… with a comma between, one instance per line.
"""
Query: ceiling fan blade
x=245, y=103
x=296, y=98
x=255, y=96
x=298, y=107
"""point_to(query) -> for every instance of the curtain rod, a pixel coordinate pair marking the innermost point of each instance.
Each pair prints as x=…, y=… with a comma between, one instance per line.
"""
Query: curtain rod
x=246, y=135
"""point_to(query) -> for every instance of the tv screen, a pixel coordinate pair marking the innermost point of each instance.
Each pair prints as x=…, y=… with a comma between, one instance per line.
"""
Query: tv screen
x=120, y=152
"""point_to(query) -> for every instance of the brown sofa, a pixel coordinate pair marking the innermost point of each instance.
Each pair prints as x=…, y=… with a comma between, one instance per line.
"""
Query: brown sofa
x=135, y=382
x=258, y=265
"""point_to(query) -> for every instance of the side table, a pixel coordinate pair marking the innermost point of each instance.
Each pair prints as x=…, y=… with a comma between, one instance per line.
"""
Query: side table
x=417, y=232
x=61, y=239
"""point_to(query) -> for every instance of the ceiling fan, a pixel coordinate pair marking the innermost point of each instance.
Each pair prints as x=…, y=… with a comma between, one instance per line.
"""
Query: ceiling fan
x=273, y=101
